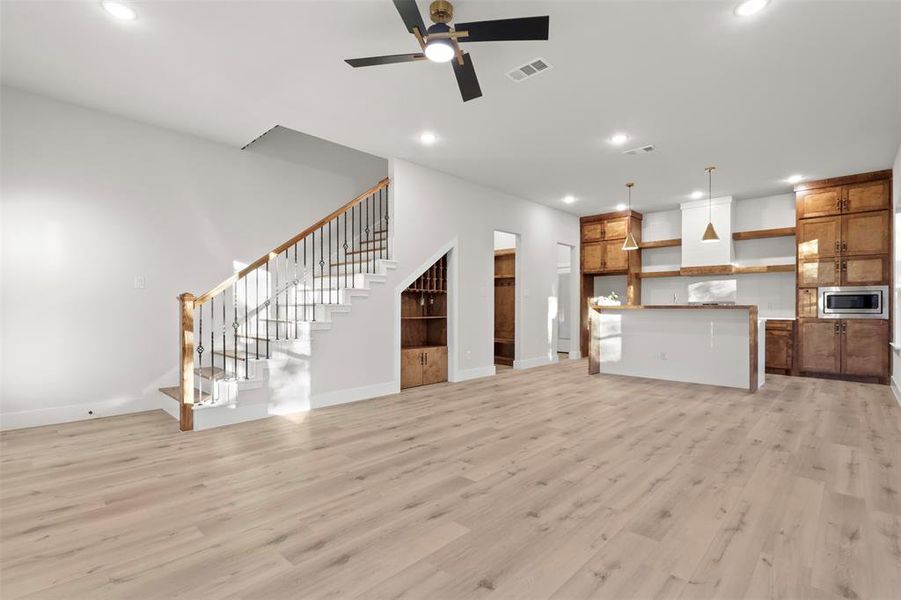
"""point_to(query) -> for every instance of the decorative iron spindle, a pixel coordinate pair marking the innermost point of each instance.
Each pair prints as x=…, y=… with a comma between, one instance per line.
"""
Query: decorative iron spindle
x=212, y=341
x=235, y=326
x=387, y=226
x=287, y=309
x=256, y=303
x=246, y=333
x=200, y=355
x=275, y=291
x=313, y=263
x=224, y=330
x=321, y=266
x=330, y=286
x=345, y=251
x=380, y=224
x=295, y=290
x=305, y=279
x=266, y=304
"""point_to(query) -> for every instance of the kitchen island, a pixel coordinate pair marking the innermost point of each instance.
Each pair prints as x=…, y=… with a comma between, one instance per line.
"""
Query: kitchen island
x=707, y=344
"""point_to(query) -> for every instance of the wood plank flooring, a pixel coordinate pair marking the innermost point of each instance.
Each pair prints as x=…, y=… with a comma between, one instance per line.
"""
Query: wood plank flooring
x=539, y=484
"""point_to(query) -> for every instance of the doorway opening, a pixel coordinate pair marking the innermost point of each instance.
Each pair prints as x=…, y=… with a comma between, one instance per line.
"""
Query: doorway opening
x=504, y=298
x=563, y=343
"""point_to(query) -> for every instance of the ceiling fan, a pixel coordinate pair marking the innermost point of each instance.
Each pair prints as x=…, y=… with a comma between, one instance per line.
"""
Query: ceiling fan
x=441, y=43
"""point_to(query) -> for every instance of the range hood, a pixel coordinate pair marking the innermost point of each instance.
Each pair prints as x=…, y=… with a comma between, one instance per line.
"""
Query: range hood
x=696, y=253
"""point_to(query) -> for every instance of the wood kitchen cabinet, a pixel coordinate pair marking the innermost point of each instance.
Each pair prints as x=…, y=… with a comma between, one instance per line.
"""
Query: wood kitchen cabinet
x=819, y=202
x=780, y=341
x=870, y=195
x=819, y=238
x=851, y=270
x=866, y=233
x=814, y=273
x=423, y=366
x=855, y=347
x=853, y=197
x=820, y=346
x=807, y=303
x=601, y=253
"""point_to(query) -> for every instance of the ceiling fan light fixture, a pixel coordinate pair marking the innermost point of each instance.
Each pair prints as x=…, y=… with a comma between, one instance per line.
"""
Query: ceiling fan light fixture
x=439, y=50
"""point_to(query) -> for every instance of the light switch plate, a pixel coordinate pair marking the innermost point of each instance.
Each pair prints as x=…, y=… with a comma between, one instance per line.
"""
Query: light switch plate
x=139, y=282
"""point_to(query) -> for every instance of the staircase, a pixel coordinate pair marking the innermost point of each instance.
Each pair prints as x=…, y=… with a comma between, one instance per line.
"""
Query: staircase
x=260, y=322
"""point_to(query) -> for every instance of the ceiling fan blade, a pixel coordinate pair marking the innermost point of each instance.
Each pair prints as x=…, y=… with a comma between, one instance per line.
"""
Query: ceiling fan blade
x=373, y=61
x=466, y=79
x=505, y=30
x=409, y=12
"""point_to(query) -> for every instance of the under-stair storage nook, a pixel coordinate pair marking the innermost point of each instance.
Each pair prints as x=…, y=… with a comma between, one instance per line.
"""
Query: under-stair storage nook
x=423, y=328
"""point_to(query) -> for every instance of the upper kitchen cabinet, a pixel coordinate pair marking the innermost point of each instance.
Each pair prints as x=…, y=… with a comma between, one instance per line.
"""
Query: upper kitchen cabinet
x=819, y=238
x=602, y=241
x=819, y=202
x=866, y=233
x=841, y=195
x=871, y=195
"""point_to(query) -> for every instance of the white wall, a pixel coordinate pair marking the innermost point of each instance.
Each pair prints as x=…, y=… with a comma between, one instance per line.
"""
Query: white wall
x=433, y=213
x=504, y=240
x=89, y=201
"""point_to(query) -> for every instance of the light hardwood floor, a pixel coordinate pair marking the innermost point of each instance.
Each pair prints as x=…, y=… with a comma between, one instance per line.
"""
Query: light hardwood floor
x=540, y=484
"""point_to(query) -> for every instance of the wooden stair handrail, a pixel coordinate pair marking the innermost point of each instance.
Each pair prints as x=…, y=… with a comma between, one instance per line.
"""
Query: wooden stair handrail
x=203, y=298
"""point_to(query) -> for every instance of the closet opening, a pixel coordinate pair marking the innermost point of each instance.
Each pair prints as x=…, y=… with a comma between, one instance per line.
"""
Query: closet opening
x=504, y=298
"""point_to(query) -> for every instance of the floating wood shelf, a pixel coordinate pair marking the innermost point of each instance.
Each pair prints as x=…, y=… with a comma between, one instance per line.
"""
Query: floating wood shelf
x=720, y=270
x=660, y=244
x=763, y=233
x=649, y=274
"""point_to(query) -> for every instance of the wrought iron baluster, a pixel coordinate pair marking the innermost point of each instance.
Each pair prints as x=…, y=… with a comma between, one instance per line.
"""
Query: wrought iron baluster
x=266, y=304
x=321, y=265
x=275, y=291
x=353, y=262
x=380, y=223
x=287, y=308
x=200, y=355
x=366, y=236
x=387, y=225
x=313, y=262
x=330, y=286
x=256, y=303
x=345, y=252
x=246, y=333
x=235, y=324
x=305, y=279
x=212, y=344
x=295, y=290
x=224, y=330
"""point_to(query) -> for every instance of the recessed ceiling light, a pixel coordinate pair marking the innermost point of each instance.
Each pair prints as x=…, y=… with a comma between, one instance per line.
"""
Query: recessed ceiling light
x=119, y=10
x=795, y=179
x=697, y=195
x=750, y=7
x=428, y=138
x=620, y=206
x=618, y=139
x=569, y=199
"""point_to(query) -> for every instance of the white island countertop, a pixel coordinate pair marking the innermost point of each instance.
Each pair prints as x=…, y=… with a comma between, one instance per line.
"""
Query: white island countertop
x=709, y=344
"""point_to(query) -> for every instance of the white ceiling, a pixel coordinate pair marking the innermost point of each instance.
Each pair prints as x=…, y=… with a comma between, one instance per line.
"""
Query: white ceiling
x=804, y=87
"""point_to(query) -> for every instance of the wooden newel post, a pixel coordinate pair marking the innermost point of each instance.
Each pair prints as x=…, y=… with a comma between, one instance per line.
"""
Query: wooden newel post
x=186, y=360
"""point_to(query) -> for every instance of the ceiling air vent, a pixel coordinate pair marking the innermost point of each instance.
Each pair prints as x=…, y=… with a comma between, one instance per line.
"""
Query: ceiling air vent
x=642, y=150
x=529, y=69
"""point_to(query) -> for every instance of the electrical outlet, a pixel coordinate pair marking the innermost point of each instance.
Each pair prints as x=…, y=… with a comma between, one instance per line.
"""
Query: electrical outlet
x=139, y=282
x=662, y=356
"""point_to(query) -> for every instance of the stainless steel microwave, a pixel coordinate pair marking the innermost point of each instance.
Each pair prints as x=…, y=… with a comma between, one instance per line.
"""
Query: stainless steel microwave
x=853, y=302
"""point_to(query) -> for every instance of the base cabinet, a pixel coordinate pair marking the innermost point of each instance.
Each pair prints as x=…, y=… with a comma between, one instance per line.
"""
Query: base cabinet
x=422, y=366
x=855, y=347
x=780, y=346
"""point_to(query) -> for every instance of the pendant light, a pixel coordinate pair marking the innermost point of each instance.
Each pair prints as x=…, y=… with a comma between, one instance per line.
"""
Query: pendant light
x=710, y=233
x=630, y=244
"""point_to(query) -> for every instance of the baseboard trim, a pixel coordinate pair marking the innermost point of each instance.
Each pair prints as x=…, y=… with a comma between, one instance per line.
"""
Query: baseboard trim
x=538, y=361
x=896, y=390
x=80, y=412
x=366, y=392
x=575, y=354
x=476, y=373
